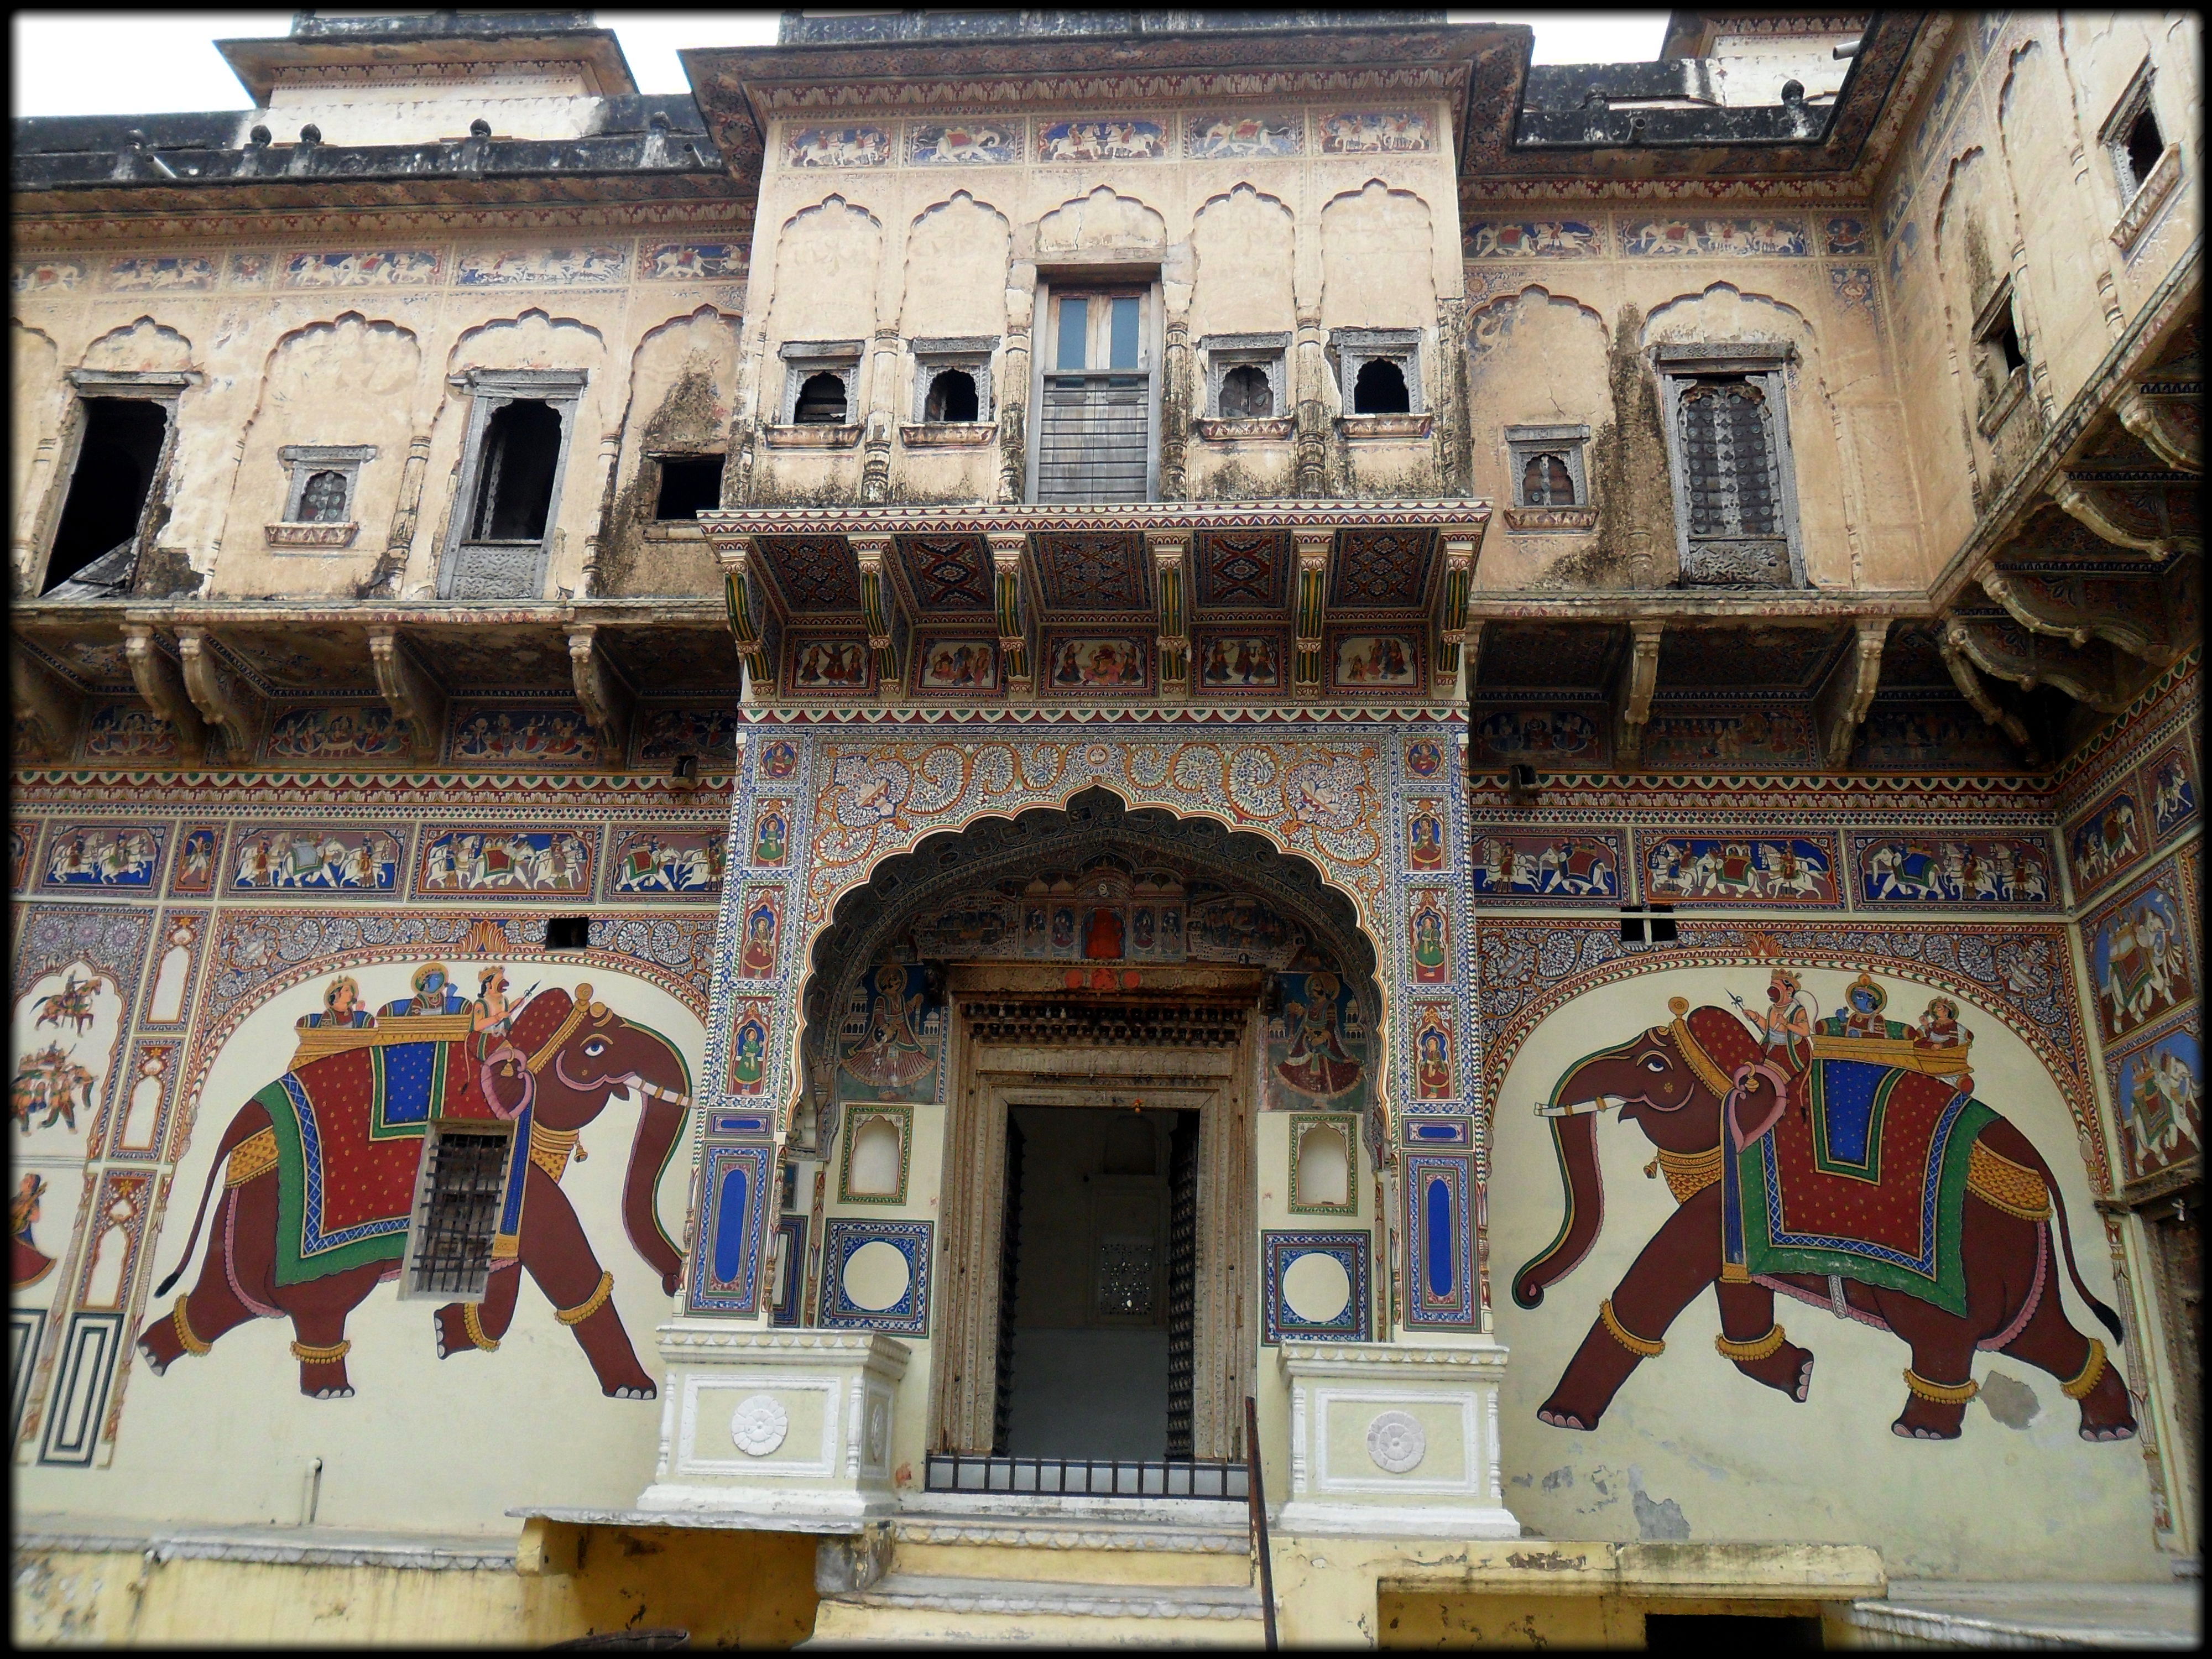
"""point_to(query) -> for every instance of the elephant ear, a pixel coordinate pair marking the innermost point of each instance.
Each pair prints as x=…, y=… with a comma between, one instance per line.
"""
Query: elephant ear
x=506, y=1082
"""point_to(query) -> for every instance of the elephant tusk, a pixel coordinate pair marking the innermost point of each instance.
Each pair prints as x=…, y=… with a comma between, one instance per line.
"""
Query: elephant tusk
x=672, y=1096
x=1598, y=1104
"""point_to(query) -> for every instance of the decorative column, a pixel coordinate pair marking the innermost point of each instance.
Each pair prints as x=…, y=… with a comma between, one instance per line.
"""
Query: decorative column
x=1461, y=546
x=1309, y=446
x=876, y=458
x=734, y=554
x=1007, y=548
x=587, y=578
x=1175, y=408
x=1168, y=548
x=869, y=551
x=1010, y=382
x=1313, y=548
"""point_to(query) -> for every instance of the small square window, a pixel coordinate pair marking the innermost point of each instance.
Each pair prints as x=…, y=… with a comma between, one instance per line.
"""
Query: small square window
x=1378, y=370
x=323, y=480
x=952, y=381
x=568, y=932
x=690, y=484
x=1246, y=379
x=1549, y=476
x=1999, y=361
x=460, y=1196
x=821, y=382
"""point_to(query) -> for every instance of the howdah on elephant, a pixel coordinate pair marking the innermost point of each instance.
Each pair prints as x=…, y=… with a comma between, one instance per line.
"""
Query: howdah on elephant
x=1843, y=1163
x=322, y=1166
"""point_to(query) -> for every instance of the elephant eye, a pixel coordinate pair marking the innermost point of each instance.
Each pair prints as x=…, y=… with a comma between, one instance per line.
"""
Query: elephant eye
x=1654, y=1062
x=595, y=1047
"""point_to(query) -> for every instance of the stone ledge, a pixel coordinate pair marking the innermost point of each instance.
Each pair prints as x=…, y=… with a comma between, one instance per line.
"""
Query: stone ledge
x=1794, y=1572
x=700, y=1520
x=1086, y=1601
x=292, y=1546
x=2032, y=1615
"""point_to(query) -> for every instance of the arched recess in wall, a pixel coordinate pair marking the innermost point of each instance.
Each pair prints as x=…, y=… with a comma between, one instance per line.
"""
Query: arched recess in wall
x=142, y=347
x=827, y=264
x=1324, y=1168
x=1968, y=270
x=959, y=254
x=350, y=380
x=1244, y=247
x=37, y=401
x=1377, y=259
x=2038, y=132
x=1102, y=221
x=682, y=391
x=1537, y=356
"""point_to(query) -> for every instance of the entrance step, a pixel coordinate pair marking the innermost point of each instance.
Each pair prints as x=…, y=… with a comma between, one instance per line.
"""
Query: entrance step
x=912, y=1608
x=1081, y=1549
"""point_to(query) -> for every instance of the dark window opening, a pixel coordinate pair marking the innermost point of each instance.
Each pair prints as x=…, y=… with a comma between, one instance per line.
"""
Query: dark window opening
x=690, y=484
x=460, y=1214
x=1246, y=395
x=951, y=396
x=107, y=491
x=1545, y=482
x=323, y=499
x=2003, y=339
x=1709, y=1632
x=1380, y=389
x=2145, y=144
x=521, y=451
x=821, y=401
x=568, y=932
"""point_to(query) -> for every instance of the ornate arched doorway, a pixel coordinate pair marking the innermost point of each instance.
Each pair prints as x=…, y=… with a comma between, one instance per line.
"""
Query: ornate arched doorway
x=1059, y=1032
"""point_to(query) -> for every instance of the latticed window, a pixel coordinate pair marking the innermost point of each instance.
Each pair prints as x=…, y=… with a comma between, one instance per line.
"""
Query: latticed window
x=323, y=499
x=1245, y=393
x=458, y=1197
x=1545, y=482
x=1728, y=459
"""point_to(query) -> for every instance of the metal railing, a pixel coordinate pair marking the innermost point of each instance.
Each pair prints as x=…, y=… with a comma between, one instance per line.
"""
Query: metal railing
x=1087, y=1477
x=1256, y=1497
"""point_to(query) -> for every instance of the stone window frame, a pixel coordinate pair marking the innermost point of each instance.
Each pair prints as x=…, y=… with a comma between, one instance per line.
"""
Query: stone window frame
x=803, y=359
x=1269, y=353
x=490, y=391
x=302, y=463
x=1351, y=349
x=1768, y=363
x=1999, y=390
x=969, y=353
x=164, y=386
x=1569, y=443
x=2140, y=198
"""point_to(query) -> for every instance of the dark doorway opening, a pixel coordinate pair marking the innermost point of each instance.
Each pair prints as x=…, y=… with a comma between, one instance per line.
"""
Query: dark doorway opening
x=107, y=491
x=521, y=452
x=1095, y=1336
x=1718, y=1632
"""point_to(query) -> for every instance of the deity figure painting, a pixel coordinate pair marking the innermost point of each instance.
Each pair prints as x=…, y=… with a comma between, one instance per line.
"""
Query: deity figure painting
x=893, y=1059
x=763, y=926
x=1314, y=1062
x=1424, y=836
x=1431, y=930
x=749, y=1049
x=771, y=835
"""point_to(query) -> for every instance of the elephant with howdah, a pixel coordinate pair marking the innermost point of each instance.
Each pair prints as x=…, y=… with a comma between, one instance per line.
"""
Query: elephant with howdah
x=563, y=1059
x=1705, y=1089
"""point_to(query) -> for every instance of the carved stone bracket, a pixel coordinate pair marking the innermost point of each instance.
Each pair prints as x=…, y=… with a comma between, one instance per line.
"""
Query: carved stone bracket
x=1639, y=679
x=1841, y=704
x=2167, y=416
x=162, y=684
x=1463, y=548
x=47, y=711
x=607, y=702
x=1170, y=550
x=224, y=703
x=2152, y=515
x=2143, y=616
x=734, y=554
x=2000, y=646
x=1992, y=713
x=1313, y=548
x=410, y=693
x=1008, y=549
x=875, y=614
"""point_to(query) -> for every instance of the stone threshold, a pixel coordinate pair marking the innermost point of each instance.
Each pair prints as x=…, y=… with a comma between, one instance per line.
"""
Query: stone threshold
x=272, y=1545
x=2035, y=1616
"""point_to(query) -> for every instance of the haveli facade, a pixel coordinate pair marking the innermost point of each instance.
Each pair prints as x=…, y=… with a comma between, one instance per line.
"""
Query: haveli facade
x=1103, y=678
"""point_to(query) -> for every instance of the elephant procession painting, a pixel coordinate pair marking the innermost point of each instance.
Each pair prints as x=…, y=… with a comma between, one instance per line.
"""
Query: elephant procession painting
x=1839, y=1159
x=305, y=1208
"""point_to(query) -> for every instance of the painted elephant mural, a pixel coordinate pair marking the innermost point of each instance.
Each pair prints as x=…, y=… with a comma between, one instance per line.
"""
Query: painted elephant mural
x=1844, y=1163
x=322, y=1166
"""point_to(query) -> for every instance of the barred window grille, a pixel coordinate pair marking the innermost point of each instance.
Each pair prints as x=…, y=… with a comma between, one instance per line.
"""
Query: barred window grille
x=1728, y=455
x=1545, y=482
x=461, y=1192
x=323, y=499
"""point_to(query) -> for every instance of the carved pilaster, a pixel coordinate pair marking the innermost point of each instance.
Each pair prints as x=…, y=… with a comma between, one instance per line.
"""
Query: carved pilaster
x=47, y=711
x=1170, y=550
x=406, y=513
x=1313, y=548
x=1992, y=713
x=1008, y=549
x=734, y=554
x=607, y=702
x=1176, y=408
x=876, y=456
x=224, y=703
x=162, y=684
x=409, y=692
x=875, y=608
x=1309, y=445
x=1461, y=546
x=587, y=578
x=1840, y=706
x=1639, y=679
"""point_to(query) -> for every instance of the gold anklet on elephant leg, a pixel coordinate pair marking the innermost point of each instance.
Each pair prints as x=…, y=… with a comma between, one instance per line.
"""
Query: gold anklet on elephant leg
x=584, y=1309
x=2092, y=1372
x=1642, y=1347
x=185, y=1335
x=1760, y=1347
x=475, y=1329
x=308, y=1354
x=1943, y=1393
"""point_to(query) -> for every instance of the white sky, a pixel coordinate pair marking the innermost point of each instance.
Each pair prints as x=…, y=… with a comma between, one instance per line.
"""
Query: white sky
x=116, y=63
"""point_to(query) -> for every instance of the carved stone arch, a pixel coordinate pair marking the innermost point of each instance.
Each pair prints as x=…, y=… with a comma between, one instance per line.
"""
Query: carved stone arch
x=1103, y=218
x=959, y=251
x=1655, y=322
x=160, y=348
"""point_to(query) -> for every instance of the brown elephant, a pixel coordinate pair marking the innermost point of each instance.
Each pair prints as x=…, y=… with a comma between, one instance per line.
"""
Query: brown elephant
x=1682, y=1083
x=552, y=1074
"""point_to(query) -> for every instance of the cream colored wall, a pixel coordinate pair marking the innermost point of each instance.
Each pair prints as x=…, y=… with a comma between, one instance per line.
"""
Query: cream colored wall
x=1691, y=1449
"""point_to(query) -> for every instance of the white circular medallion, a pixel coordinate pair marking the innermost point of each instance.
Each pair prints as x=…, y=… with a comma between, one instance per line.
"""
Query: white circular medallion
x=1316, y=1288
x=759, y=1424
x=1396, y=1441
x=876, y=1276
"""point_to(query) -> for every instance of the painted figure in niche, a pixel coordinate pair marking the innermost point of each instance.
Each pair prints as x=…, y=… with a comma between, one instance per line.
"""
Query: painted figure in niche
x=1431, y=941
x=748, y=1057
x=2106, y=842
x=341, y=1008
x=1867, y=1184
x=779, y=758
x=771, y=835
x=27, y=1263
x=2139, y=961
x=1316, y=1063
x=892, y=1054
x=322, y=1167
x=1170, y=929
x=1063, y=927
x=1143, y=927
x=1102, y=939
x=196, y=862
x=1433, y=1072
x=2160, y=1100
x=832, y=662
x=2172, y=797
x=51, y=1081
x=1424, y=838
x=762, y=922
x=1425, y=757
x=73, y=1003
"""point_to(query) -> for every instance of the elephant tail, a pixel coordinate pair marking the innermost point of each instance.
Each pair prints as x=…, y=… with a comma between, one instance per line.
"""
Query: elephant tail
x=2105, y=1316
x=240, y=1128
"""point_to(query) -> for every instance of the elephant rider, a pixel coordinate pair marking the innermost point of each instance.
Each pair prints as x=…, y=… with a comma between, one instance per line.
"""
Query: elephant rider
x=341, y=1007
x=433, y=993
x=1786, y=1025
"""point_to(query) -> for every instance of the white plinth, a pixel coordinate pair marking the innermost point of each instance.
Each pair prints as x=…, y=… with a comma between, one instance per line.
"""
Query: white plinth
x=1395, y=1440
x=780, y=1423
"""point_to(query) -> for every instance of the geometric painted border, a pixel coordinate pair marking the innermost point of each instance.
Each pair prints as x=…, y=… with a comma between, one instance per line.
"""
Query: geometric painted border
x=1439, y=1248
x=726, y=1265
x=909, y=1315
x=1278, y=1250
x=1344, y=1124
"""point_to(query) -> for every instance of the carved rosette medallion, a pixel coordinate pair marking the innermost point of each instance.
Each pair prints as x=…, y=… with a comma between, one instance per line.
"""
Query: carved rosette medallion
x=1396, y=1443
x=759, y=1424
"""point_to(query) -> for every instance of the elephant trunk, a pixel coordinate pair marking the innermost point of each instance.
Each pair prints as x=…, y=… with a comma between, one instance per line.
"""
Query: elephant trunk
x=666, y=1098
x=1574, y=1137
